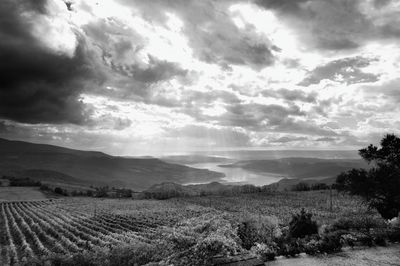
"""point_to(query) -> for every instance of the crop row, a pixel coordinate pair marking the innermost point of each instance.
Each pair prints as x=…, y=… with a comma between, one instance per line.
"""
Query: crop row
x=36, y=230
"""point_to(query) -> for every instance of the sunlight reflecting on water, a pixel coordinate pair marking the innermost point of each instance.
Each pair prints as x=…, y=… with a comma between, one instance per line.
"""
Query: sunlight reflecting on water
x=239, y=175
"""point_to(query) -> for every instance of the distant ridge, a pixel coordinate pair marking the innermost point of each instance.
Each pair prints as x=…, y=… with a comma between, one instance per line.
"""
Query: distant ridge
x=57, y=164
x=300, y=167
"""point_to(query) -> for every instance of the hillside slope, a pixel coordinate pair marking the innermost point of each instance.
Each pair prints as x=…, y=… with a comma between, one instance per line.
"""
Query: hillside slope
x=300, y=168
x=58, y=164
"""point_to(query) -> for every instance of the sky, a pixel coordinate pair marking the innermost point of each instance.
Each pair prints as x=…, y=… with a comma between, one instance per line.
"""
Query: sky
x=136, y=77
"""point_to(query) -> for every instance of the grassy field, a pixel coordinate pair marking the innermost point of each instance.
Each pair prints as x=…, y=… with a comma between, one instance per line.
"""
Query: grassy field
x=21, y=194
x=150, y=230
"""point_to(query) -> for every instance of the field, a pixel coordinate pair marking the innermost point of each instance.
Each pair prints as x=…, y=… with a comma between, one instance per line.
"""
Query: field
x=21, y=193
x=283, y=205
x=41, y=229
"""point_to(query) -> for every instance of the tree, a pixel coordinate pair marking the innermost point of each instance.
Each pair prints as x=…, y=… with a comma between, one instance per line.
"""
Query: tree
x=302, y=225
x=379, y=186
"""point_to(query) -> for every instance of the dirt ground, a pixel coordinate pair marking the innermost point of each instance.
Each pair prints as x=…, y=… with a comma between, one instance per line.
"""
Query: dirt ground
x=362, y=256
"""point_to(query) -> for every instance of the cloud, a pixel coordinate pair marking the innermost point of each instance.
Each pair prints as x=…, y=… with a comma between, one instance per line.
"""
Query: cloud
x=387, y=91
x=291, y=95
x=337, y=25
x=326, y=139
x=346, y=70
x=252, y=116
x=303, y=127
x=37, y=83
x=211, y=33
x=155, y=71
x=287, y=139
x=213, y=136
x=323, y=24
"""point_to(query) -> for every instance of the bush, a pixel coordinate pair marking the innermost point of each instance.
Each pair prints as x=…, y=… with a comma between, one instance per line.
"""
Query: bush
x=311, y=246
x=196, y=241
x=60, y=191
x=302, y=225
x=360, y=223
x=254, y=230
x=330, y=243
x=264, y=252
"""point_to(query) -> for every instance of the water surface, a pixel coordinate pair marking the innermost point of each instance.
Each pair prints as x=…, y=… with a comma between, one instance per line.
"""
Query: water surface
x=239, y=175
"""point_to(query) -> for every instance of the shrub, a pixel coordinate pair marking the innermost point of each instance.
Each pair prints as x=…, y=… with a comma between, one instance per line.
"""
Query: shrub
x=302, y=225
x=60, y=191
x=331, y=242
x=311, y=246
x=254, y=230
x=196, y=241
x=264, y=252
x=380, y=240
x=362, y=223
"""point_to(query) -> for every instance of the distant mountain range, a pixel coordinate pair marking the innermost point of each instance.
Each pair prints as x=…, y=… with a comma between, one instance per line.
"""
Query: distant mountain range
x=300, y=168
x=62, y=165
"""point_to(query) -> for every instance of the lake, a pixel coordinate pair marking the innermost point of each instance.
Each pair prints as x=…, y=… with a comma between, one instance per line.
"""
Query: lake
x=239, y=175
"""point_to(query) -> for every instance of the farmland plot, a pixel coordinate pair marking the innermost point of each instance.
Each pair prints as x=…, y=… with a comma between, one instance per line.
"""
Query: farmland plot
x=35, y=229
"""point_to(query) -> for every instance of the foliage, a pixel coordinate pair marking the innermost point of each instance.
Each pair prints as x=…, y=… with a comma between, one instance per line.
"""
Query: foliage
x=264, y=252
x=196, y=241
x=330, y=242
x=302, y=225
x=302, y=186
x=380, y=185
x=360, y=223
x=257, y=229
x=60, y=191
x=22, y=181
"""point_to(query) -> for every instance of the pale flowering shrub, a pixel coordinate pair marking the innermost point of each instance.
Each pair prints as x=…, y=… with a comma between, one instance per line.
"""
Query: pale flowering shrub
x=264, y=252
x=196, y=241
x=258, y=229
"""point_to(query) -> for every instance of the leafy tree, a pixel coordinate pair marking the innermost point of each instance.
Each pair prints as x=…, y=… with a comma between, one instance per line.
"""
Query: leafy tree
x=302, y=186
x=379, y=186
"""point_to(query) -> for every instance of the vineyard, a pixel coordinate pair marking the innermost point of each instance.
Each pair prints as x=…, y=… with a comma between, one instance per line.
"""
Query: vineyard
x=40, y=230
x=36, y=229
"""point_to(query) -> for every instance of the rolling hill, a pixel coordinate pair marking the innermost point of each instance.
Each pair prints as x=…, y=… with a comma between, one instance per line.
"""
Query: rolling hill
x=300, y=168
x=57, y=164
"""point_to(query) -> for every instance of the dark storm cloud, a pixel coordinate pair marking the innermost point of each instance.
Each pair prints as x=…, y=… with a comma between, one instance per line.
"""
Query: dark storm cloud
x=38, y=85
x=211, y=32
x=346, y=70
x=291, y=95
